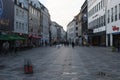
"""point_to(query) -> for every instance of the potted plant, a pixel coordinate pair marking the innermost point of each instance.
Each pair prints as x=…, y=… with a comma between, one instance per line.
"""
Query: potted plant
x=113, y=49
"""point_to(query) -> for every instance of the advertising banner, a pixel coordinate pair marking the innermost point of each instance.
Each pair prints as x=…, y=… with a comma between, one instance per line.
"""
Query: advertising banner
x=6, y=15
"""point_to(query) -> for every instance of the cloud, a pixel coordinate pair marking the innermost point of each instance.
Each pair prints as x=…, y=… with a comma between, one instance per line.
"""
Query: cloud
x=63, y=11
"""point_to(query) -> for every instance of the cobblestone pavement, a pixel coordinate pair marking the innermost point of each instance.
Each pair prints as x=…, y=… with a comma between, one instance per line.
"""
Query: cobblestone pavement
x=64, y=63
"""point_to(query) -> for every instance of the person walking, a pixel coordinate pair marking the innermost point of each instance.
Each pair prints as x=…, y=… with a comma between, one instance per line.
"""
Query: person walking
x=0, y=47
x=80, y=41
x=118, y=45
x=73, y=44
x=6, y=46
x=17, y=45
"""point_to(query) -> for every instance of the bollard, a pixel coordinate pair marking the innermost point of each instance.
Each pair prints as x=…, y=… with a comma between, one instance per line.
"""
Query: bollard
x=26, y=67
x=30, y=69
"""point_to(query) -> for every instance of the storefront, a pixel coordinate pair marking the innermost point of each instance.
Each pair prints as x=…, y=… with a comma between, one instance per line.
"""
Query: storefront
x=35, y=40
x=116, y=39
x=113, y=35
x=113, y=23
x=98, y=39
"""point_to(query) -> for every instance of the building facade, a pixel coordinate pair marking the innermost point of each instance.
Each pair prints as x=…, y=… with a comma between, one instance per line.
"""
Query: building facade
x=84, y=19
x=78, y=27
x=113, y=23
x=45, y=17
x=79, y=16
x=63, y=35
x=20, y=17
x=53, y=29
x=71, y=36
x=97, y=21
x=25, y=18
x=84, y=23
x=34, y=22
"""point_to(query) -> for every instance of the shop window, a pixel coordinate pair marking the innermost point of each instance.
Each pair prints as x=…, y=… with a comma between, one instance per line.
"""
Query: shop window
x=104, y=20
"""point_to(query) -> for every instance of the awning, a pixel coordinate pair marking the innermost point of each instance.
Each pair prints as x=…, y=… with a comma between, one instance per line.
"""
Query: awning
x=11, y=37
x=4, y=37
x=35, y=36
x=19, y=38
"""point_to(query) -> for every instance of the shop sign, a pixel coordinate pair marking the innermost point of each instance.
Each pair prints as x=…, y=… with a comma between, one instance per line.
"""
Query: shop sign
x=115, y=28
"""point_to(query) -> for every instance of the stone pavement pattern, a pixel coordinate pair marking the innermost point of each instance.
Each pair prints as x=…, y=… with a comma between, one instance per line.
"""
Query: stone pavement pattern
x=65, y=63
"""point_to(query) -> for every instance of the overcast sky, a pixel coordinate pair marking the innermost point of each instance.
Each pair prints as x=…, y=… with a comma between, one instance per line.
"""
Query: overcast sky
x=63, y=11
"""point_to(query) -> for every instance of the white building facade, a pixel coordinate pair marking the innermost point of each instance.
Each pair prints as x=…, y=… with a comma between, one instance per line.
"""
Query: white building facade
x=113, y=23
x=20, y=17
x=53, y=29
x=45, y=24
x=97, y=21
x=71, y=31
x=63, y=35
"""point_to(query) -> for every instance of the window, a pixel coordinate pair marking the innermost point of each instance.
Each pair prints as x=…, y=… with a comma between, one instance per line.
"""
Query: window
x=99, y=5
x=76, y=34
x=97, y=22
x=20, y=13
x=32, y=10
x=95, y=9
x=103, y=3
x=16, y=25
x=23, y=14
x=17, y=12
x=111, y=14
x=101, y=21
x=76, y=28
x=76, y=23
x=108, y=16
x=119, y=11
x=104, y=20
x=115, y=13
x=20, y=26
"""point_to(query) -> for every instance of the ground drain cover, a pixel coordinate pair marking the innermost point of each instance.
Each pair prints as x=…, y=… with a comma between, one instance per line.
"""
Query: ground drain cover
x=69, y=73
x=101, y=74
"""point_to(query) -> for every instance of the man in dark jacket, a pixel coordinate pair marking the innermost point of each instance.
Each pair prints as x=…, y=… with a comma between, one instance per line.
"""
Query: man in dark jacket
x=73, y=44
